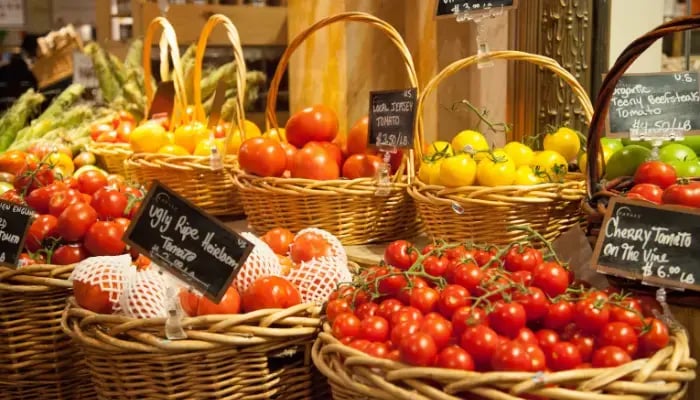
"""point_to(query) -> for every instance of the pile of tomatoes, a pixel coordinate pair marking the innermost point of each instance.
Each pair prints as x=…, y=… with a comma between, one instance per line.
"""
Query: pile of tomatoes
x=657, y=182
x=76, y=217
x=116, y=132
x=314, y=149
x=488, y=309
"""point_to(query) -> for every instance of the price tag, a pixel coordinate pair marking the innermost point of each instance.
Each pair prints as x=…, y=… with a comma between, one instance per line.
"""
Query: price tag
x=657, y=245
x=392, y=116
x=452, y=7
x=661, y=105
x=14, y=223
x=186, y=241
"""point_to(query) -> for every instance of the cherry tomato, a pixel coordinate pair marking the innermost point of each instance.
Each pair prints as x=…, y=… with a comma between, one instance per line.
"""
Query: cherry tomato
x=591, y=316
x=452, y=298
x=400, y=254
x=39, y=199
x=43, y=227
x=60, y=200
x=538, y=360
x=439, y=329
x=404, y=329
x=415, y=283
x=435, y=266
x=629, y=311
x=388, y=307
x=69, y=254
x=359, y=344
x=559, y=315
x=393, y=284
x=507, y=318
x=511, y=356
x=271, y=292
x=418, y=349
x=25, y=260
x=522, y=277
x=585, y=345
x=455, y=357
x=406, y=314
x=279, y=240
x=653, y=338
x=336, y=307
x=551, y=277
x=522, y=259
x=366, y=310
x=33, y=176
x=481, y=342
x=377, y=349
x=469, y=276
x=465, y=317
x=610, y=357
x=655, y=172
x=546, y=338
x=564, y=356
x=534, y=301
x=425, y=299
x=374, y=329
x=526, y=336
x=484, y=257
x=619, y=334
x=75, y=221
x=109, y=203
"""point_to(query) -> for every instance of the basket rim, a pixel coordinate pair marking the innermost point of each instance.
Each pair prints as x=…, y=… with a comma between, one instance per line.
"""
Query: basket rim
x=360, y=186
x=182, y=163
x=646, y=372
x=36, y=278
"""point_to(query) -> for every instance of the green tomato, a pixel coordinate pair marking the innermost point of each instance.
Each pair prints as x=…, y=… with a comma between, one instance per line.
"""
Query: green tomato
x=693, y=142
x=625, y=162
x=627, y=142
x=686, y=169
x=676, y=152
x=611, y=144
x=5, y=186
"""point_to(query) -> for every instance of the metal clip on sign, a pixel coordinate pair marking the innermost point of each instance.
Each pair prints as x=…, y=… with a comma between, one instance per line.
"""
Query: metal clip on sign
x=656, y=137
x=477, y=14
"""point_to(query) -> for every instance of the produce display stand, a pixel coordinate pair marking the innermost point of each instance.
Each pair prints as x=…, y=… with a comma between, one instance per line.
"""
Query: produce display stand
x=351, y=372
x=37, y=359
x=483, y=214
x=194, y=176
x=349, y=209
x=262, y=354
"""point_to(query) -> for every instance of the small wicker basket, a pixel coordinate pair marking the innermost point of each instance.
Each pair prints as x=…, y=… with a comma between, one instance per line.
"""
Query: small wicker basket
x=37, y=360
x=260, y=355
x=349, y=209
x=193, y=176
x=111, y=156
x=353, y=374
x=483, y=214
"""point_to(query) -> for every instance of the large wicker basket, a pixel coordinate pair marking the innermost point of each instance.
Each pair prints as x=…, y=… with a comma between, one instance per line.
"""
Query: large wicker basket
x=37, y=360
x=353, y=375
x=349, y=209
x=483, y=214
x=111, y=156
x=193, y=176
x=259, y=355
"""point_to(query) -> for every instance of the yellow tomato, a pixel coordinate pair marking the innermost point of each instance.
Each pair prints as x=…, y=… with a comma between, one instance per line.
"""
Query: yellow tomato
x=429, y=172
x=456, y=171
x=550, y=166
x=204, y=147
x=525, y=175
x=440, y=147
x=519, y=153
x=496, y=169
x=469, y=142
x=564, y=141
x=278, y=134
x=187, y=136
x=174, y=150
x=62, y=162
x=250, y=130
x=148, y=138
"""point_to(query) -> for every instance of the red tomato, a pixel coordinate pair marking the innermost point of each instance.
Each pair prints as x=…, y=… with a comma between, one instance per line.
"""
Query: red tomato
x=400, y=254
x=590, y=315
x=290, y=151
x=563, y=356
x=366, y=310
x=316, y=123
x=336, y=307
x=465, y=317
x=481, y=342
x=526, y=336
x=683, y=195
x=559, y=315
x=511, y=356
x=522, y=259
x=314, y=162
x=124, y=131
x=538, y=360
x=484, y=257
x=43, y=227
x=551, y=277
x=279, y=240
x=32, y=176
x=358, y=137
x=270, y=292
x=97, y=129
x=60, y=200
x=374, y=329
x=657, y=173
x=262, y=156
x=104, y=238
x=229, y=304
x=406, y=314
x=452, y=298
x=13, y=161
x=12, y=196
x=418, y=349
x=359, y=344
x=403, y=329
x=346, y=325
x=534, y=301
x=39, y=199
x=75, y=221
x=25, y=260
x=109, y=203
x=362, y=166
x=393, y=284
x=309, y=245
x=439, y=329
x=546, y=338
x=629, y=311
x=468, y=275
x=585, y=345
x=415, y=283
x=435, y=266
x=455, y=357
x=387, y=308
x=376, y=349
x=610, y=357
x=653, y=338
x=333, y=150
x=69, y=254
x=424, y=299
x=507, y=318
x=189, y=302
x=647, y=191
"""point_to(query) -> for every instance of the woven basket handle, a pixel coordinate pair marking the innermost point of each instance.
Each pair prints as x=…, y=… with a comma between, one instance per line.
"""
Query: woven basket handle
x=541, y=61
x=622, y=64
x=383, y=26
x=241, y=70
x=168, y=41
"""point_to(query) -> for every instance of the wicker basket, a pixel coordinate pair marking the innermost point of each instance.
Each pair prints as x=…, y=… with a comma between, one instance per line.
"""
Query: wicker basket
x=193, y=176
x=111, y=156
x=259, y=355
x=349, y=209
x=599, y=193
x=483, y=214
x=37, y=360
x=354, y=375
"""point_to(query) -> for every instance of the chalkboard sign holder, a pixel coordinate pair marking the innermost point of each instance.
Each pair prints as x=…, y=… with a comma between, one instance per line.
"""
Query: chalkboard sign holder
x=219, y=291
x=666, y=117
x=484, y=8
x=637, y=274
x=392, y=115
x=15, y=220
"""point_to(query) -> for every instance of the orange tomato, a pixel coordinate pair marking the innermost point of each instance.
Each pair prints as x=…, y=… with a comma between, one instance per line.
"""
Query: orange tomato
x=309, y=245
x=279, y=240
x=189, y=302
x=358, y=136
x=229, y=304
x=362, y=166
x=270, y=292
x=13, y=161
x=124, y=130
x=290, y=150
x=317, y=123
x=262, y=156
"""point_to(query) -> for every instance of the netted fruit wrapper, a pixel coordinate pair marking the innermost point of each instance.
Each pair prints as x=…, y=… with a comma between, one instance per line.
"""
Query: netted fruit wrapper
x=318, y=278
x=107, y=273
x=261, y=262
x=145, y=294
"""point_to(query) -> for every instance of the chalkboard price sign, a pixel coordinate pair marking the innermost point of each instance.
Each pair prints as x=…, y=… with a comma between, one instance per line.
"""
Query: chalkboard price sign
x=655, y=104
x=14, y=223
x=452, y=7
x=185, y=240
x=655, y=244
x=392, y=114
